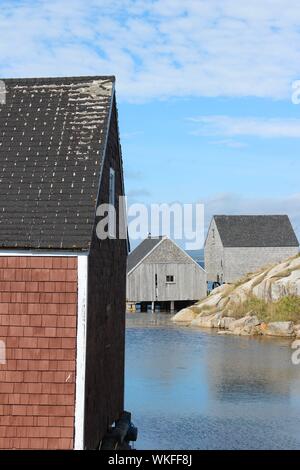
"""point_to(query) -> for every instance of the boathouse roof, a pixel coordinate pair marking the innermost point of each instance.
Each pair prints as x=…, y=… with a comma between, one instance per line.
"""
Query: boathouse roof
x=53, y=133
x=141, y=251
x=256, y=230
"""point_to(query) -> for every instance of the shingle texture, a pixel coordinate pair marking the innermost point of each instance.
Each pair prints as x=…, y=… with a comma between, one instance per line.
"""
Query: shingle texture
x=38, y=313
x=52, y=139
x=256, y=230
x=141, y=251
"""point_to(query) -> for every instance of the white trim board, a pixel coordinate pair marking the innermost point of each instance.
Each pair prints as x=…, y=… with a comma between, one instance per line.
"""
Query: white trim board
x=81, y=351
x=42, y=253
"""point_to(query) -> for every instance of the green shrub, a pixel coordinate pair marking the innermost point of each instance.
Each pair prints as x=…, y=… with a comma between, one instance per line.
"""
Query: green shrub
x=285, y=309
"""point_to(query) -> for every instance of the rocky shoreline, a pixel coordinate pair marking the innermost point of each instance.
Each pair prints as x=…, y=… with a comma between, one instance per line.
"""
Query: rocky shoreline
x=249, y=325
x=221, y=308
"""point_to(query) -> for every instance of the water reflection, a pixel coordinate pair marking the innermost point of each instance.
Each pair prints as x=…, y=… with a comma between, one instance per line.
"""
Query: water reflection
x=245, y=368
x=197, y=390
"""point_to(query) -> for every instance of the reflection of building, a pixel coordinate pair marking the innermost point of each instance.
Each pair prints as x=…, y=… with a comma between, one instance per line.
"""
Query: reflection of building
x=237, y=245
x=161, y=273
x=62, y=290
x=241, y=368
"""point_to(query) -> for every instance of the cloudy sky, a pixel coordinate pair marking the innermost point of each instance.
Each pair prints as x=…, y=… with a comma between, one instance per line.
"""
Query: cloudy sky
x=204, y=91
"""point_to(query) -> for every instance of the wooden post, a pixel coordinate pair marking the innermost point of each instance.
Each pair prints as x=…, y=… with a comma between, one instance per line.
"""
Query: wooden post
x=172, y=308
x=152, y=307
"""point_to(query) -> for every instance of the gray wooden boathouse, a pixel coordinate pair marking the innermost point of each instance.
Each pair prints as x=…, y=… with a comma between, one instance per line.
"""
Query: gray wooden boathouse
x=160, y=273
x=241, y=244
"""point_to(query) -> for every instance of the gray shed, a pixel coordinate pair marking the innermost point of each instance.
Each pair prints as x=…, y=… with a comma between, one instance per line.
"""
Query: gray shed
x=159, y=272
x=240, y=244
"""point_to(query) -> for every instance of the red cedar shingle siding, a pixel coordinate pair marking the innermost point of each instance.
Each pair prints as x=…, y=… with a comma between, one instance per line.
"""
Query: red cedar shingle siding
x=38, y=311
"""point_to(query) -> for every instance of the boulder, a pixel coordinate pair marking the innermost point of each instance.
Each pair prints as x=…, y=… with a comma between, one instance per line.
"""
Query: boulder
x=210, y=302
x=251, y=326
x=246, y=326
x=297, y=330
x=225, y=322
x=282, y=279
x=251, y=330
x=208, y=321
x=269, y=284
x=279, y=328
x=240, y=323
x=185, y=315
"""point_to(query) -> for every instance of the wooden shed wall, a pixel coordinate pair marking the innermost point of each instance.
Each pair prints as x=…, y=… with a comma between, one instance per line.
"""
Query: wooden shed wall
x=38, y=308
x=214, y=254
x=189, y=283
x=106, y=315
x=166, y=259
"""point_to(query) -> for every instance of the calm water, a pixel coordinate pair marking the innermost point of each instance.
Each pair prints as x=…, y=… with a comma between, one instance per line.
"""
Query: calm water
x=191, y=389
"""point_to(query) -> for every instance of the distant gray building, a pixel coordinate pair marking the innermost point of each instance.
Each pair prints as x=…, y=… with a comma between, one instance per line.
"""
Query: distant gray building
x=159, y=272
x=237, y=245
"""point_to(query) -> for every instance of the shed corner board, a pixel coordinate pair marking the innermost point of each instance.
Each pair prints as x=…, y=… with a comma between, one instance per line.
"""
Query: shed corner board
x=81, y=351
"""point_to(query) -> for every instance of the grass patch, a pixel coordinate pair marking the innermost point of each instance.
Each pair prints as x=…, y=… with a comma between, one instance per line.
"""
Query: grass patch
x=285, y=309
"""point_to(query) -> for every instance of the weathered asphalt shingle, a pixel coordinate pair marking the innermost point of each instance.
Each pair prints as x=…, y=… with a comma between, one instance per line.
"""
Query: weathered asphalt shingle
x=142, y=250
x=52, y=138
x=256, y=230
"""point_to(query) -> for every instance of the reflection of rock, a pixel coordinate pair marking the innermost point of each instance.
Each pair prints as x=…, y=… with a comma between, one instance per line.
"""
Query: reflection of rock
x=237, y=368
x=279, y=328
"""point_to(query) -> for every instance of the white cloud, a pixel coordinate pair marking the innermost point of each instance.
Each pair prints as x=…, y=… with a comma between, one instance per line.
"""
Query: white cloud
x=131, y=134
x=138, y=193
x=229, y=143
x=246, y=126
x=236, y=204
x=133, y=174
x=158, y=48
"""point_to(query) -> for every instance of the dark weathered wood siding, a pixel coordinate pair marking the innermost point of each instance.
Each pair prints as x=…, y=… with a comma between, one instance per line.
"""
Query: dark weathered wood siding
x=106, y=314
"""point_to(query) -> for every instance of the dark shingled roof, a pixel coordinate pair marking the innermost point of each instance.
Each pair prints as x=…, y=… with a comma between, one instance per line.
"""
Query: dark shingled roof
x=141, y=251
x=52, y=139
x=256, y=230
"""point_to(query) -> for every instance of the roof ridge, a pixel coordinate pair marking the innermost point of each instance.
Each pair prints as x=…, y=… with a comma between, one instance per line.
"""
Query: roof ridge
x=60, y=78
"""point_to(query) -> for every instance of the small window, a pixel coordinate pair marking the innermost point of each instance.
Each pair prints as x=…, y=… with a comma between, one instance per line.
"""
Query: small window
x=170, y=279
x=112, y=202
x=112, y=187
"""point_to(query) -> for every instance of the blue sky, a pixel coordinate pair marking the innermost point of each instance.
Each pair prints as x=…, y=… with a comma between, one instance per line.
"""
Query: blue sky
x=204, y=91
